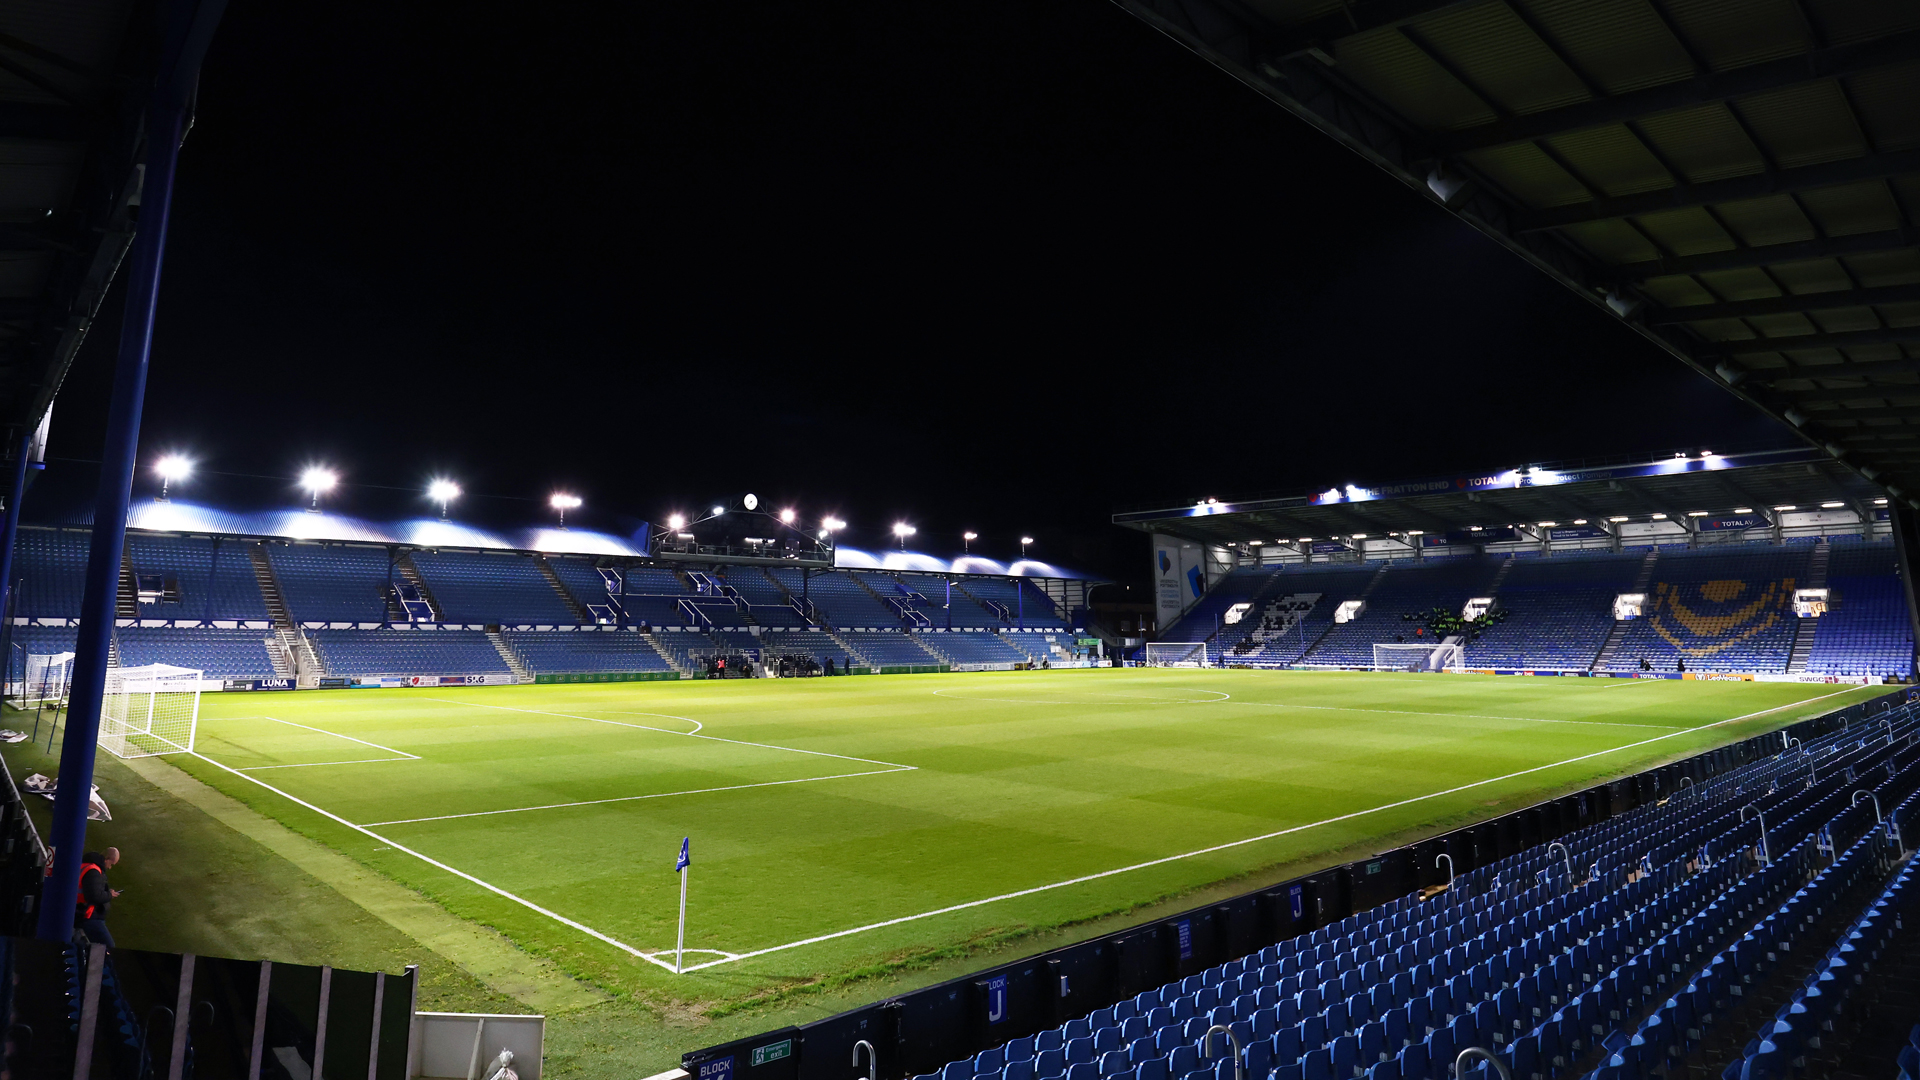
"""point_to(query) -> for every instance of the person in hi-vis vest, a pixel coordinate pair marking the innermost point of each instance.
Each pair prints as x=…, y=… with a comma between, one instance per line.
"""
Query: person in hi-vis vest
x=96, y=896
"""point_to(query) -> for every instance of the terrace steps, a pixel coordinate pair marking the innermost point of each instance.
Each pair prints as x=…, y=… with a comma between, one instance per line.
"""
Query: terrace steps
x=574, y=605
x=127, y=604
x=1803, y=633
x=1619, y=631
x=404, y=565
x=521, y=673
x=269, y=587
x=1817, y=566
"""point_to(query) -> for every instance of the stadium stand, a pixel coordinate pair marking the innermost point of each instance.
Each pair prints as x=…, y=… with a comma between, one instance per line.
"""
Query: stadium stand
x=332, y=582
x=217, y=653
x=1718, y=610
x=880, y=648
x=1670, y=940
x=557, y=652
x=407, y=652
x=1024, y=604
x=842, y=600
x=1559, y=611
x=1865, y=630
x=489, y=587
x=975, y=647
x=1291, y=613
x=199, y=578
x=1401, y=590
x=52, y=565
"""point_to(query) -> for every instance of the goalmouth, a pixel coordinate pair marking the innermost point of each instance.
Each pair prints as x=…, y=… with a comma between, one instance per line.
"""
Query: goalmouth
x=1399, y=657
x=150, y=710
x=1176, y=654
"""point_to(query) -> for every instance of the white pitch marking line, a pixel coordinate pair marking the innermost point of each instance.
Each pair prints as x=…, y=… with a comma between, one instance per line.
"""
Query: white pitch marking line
x=1253, y=839
x=349, y=738
x=892, y=765
x=1463, y=716
x=497, y=890
x=1032, y=701
x=634, y=798
x=316, y=764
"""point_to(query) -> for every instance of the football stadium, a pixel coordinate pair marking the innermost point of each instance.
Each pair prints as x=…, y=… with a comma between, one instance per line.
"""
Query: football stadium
x=1518, y=766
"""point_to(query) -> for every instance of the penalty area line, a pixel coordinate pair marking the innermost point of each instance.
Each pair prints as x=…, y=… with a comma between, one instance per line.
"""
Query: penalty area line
x=636, y=798
x=462, y=874
x=1251, y=839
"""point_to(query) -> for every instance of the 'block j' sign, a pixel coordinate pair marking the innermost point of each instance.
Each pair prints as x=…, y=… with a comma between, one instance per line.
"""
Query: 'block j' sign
x=996, y=999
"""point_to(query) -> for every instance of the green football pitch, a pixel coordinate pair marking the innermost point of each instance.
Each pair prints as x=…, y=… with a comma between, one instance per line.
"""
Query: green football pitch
x=839, y=824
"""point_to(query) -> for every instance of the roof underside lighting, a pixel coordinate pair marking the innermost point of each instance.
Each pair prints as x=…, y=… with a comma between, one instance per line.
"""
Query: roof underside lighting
x=1832, y=505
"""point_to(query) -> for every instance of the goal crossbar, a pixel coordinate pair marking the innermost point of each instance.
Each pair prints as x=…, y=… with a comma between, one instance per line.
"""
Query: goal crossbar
x=1176, y=654
x=1430, y=656
x=150, y=710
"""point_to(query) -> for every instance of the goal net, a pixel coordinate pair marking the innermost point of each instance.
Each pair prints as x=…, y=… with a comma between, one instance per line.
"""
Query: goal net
x=45, y=680
x=1427, y=657
x=1176, y=654
x=150, y=710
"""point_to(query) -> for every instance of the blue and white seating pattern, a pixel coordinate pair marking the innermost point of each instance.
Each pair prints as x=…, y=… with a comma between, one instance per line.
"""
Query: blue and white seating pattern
x=1609, y=959
x=557, y=652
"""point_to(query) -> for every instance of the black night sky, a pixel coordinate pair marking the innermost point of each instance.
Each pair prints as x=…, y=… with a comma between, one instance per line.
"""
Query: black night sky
x=1004, y=266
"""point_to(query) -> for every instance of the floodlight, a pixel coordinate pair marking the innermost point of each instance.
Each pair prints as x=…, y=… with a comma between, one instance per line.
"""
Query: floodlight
x=787, y=516
x=1026, y=540
x=1548, y=524
x=1879, y=502
x=831, y=524
x=172, y=467
x=1708, y=453
x=1659, y=517
x=1831, y=505
x=1743, y=509
x=676, y=522
x=719, y=510
x=1786, y=508
x=1306, y=539
x=966, y=541
x=443, y=492
x=1579, y=521
x=563, y=502
x=317, y=480
x=1359, y=536
x=1696, y=513
x=1617, y=519
x=976, y=536
x=1416, y=532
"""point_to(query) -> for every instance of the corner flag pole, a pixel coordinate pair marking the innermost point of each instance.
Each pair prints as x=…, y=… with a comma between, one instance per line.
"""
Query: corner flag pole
x=683, y=864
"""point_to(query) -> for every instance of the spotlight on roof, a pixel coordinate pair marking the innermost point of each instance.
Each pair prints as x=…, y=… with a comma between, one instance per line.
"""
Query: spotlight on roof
x=1026, y=540
x=564, y=502
x=443, y=491
x=172, y=467
x=787, y=515
x=976, y=536
x=831, y=524
x=676, y=522
x=718, y=510
x=901, y=528
x=318, y=480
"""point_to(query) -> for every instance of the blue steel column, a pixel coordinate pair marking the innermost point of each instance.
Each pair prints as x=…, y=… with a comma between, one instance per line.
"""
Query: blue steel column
x=11, y=530
x=185, y=30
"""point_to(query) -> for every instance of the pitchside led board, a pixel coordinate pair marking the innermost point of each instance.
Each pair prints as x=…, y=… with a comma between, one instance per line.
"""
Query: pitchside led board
x=1178, y=578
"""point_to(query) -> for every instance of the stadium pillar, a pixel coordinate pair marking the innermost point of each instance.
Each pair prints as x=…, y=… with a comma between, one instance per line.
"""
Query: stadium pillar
x=11, y=532
x=185, y=29
x=1906, y=534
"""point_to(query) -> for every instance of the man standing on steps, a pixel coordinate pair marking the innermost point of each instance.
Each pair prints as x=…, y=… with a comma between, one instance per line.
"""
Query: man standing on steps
x=96, y=896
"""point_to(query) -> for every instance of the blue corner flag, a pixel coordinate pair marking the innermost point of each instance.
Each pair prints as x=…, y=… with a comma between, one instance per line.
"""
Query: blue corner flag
x=686, y=859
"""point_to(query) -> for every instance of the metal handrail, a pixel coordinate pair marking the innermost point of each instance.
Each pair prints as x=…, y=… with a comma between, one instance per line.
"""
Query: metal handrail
x=1449, y=858
x=1766, y=853
x=1206, y=1049
x=1460, y=1063
x=1568, y=854
x=873, y=1059
x=1878, y=817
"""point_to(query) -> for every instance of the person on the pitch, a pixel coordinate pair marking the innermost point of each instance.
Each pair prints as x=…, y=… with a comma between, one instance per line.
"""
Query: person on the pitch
x=96, y=896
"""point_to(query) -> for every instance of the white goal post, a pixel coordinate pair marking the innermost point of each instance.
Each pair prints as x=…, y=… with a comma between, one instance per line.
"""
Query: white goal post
x=150, y=710
x=1176, y=654
x=44, y=681
x=1428, y=657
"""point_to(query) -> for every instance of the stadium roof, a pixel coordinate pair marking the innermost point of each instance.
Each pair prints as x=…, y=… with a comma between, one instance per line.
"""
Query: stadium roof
x=74, y=80
x=1736, y=180
x=1676, y=487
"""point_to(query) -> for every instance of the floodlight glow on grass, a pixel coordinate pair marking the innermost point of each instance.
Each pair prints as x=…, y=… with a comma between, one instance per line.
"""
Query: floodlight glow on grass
x=172, y=467
x=563, y=502
x=318, y=480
